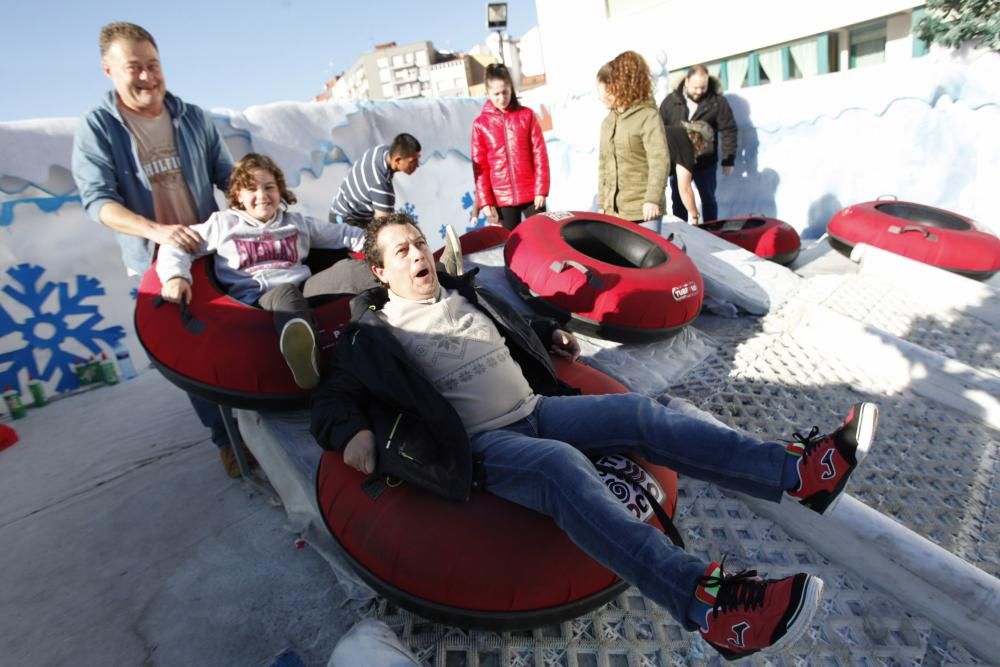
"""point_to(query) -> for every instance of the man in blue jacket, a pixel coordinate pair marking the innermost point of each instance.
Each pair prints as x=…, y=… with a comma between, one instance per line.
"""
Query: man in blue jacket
x=439, y=378
x=145, y=164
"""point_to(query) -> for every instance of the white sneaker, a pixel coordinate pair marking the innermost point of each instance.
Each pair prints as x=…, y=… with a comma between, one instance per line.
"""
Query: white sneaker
x=298, y=347
x=451, y=258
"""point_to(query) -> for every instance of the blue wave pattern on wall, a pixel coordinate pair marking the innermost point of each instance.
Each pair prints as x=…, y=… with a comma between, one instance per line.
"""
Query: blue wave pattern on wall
x=47, y=330
x=930, y=104
x=46, y=204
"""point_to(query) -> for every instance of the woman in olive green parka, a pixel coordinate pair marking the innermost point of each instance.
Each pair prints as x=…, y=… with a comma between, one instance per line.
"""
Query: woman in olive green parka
x=633, y=162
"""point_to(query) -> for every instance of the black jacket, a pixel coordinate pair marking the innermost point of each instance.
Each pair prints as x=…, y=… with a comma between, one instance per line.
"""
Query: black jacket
x=714, y=110
x=372, y=384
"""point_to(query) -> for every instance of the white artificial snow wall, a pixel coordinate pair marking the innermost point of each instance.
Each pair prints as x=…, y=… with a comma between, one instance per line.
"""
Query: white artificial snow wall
x=925, y=131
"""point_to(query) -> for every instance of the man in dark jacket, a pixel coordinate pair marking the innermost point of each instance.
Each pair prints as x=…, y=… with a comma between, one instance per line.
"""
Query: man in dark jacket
x=444, y=374
x=699, y=97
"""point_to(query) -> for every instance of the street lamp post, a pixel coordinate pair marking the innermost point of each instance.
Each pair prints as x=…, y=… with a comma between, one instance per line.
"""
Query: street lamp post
x=496, y=19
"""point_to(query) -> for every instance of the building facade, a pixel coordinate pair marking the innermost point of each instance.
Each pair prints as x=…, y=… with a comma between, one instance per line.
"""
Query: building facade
x=395, y=72
x=458, y=77
x=743, y=43
x=389, y=72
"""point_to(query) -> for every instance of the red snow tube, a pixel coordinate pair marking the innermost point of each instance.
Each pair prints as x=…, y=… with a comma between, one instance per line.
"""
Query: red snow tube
x=923, y=233
x=769, y=238
x=603, y=276
x=480, y=238
x=486, y=563
x=224, y=350
x=8, y=437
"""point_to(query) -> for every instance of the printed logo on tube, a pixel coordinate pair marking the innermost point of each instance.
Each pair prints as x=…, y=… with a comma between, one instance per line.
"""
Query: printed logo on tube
x=685, y=291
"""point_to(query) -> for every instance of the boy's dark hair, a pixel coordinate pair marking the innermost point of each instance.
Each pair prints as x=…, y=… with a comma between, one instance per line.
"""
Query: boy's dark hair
x=404, y=145
x=123, y=30
x=242, y=177
x=373, y=254
x=498, y=72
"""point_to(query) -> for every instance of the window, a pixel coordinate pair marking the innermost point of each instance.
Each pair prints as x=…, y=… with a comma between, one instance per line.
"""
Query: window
x=409, y=57
x=387, y=90
x=920, y=48
x=737, y=69
x=866, y=45
x=397, y=60
x=422, y=59
x=769, y=66
x=803, y=59
x=408, y=74
x=383, y=62
x=384, y=75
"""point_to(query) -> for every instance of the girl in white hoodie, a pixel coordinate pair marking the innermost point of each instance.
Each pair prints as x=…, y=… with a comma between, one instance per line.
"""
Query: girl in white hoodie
x=259, y=248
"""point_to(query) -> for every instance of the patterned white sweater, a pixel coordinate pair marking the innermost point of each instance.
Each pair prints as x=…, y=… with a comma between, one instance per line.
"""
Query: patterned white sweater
x=460, y=350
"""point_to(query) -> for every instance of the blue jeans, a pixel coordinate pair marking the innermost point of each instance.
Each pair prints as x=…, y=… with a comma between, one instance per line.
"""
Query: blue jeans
x=541, y=462
x=705, y=181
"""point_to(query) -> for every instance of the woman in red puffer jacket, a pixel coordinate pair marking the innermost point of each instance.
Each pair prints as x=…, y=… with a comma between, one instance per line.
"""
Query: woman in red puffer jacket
x=509, y=160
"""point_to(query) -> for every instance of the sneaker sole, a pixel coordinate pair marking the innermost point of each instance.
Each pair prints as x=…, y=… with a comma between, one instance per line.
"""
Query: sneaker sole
x=298, y=347
x=867, y=425
x=451, y=238
x=808, y=604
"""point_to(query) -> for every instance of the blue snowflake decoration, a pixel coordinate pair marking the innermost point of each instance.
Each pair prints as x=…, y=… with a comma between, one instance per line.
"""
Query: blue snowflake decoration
x=410, y=210
x=74, y=320
x=467, y=202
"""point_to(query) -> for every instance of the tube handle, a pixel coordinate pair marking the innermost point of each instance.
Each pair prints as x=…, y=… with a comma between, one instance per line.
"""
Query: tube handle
x=896, y=229
x=191, y=323
x=560, y=266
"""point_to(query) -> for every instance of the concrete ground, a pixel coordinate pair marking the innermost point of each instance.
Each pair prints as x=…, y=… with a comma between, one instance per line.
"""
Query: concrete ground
x=124, y=543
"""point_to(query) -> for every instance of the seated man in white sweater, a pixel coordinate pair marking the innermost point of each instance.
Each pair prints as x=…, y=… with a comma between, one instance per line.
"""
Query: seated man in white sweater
x=444, y=373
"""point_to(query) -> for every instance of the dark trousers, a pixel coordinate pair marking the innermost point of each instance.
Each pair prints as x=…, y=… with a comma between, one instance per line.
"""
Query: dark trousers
x=207, y=411
x=210, y=418
x=705, y=181
x=287, y=302
x=511, y=216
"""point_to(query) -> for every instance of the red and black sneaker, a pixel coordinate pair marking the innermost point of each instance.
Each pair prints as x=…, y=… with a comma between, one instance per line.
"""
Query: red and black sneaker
x=827, y=461
x=750, y=614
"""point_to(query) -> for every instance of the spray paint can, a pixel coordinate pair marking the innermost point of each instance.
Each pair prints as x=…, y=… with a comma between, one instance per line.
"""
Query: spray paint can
x=14, y=406
x=87, y=372
x=37, y=391
x=108, y=372
x=125, y=365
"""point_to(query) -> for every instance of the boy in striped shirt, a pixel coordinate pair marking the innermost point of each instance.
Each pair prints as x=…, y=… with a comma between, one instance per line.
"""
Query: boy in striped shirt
x=367, y=191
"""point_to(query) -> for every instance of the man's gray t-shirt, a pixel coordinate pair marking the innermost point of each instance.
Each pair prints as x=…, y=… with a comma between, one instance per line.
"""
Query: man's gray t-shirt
x=158, y=158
